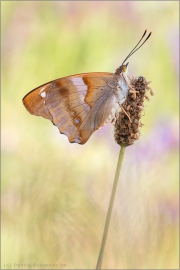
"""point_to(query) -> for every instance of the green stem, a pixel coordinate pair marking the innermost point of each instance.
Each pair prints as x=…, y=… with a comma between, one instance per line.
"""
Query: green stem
x=108, y=217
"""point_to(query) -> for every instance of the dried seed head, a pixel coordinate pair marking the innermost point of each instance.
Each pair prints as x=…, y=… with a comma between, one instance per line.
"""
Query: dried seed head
x=126, y=129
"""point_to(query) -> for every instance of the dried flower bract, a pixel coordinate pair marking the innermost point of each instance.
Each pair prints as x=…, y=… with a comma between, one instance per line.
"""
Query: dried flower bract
x=127, y=124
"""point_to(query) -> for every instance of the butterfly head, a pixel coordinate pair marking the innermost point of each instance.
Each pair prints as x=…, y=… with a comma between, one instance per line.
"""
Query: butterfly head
x=123, y=68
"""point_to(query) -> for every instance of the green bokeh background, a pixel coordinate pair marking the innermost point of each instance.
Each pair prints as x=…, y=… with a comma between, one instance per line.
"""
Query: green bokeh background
x=55, y=194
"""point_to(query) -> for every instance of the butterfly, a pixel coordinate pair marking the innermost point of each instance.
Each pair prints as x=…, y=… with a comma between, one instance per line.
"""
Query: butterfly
x=82, y=103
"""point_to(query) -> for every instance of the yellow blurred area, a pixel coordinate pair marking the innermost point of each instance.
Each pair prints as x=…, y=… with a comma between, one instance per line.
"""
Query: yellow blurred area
x=55, y=194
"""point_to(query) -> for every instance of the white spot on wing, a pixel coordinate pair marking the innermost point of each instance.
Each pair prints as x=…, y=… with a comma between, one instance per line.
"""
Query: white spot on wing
x=43, y=94
x=78, y=81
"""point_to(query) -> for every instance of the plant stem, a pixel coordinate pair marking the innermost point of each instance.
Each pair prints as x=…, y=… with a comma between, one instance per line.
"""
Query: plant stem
x=108, y=217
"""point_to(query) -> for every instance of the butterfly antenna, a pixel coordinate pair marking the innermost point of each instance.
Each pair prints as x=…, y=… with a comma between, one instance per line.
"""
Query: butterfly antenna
x=133, y=50
x=135, y=46
x=141, y=44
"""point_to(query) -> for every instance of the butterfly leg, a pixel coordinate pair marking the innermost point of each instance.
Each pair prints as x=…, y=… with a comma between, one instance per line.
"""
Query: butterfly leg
x=132, y=90
x=125, y=112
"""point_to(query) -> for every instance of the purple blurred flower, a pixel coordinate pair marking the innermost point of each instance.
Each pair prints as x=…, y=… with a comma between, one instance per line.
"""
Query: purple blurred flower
x=163, y=138
x=169, y=210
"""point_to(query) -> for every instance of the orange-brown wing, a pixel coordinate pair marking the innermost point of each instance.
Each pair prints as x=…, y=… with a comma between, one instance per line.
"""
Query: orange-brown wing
x=77, y=105
x=35, y=103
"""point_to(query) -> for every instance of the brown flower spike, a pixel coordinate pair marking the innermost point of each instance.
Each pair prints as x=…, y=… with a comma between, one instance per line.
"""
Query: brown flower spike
x=127, y=124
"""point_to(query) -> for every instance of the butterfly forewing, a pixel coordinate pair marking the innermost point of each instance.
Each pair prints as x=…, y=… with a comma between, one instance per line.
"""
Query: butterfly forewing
x=77, y=105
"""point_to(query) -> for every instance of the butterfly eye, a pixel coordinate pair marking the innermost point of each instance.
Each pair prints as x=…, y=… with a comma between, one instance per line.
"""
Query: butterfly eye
x=124, y=68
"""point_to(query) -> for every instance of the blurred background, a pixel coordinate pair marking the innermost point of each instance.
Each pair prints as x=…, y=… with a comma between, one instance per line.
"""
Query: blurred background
x=55, y=194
